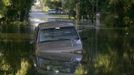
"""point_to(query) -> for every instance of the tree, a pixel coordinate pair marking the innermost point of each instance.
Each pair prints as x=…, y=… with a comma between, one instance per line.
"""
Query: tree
x=3, y=7
x=15, y=9
x=70, y=7
x=54, y=4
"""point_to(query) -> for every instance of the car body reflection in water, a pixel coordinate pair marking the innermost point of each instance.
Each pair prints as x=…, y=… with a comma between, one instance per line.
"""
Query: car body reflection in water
x=56, y=63
x=58, y=48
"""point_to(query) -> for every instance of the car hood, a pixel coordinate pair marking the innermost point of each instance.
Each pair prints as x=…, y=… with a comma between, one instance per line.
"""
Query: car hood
x=60, y=46
x=60, y=56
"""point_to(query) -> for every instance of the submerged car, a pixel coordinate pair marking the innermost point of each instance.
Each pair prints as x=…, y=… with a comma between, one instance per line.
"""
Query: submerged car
x=58, y=48
x=52, y=11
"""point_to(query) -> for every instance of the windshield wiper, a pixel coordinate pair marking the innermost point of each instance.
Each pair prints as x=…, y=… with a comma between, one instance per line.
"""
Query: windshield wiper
x=63, y=39
x=46, y=41
x=55, y=40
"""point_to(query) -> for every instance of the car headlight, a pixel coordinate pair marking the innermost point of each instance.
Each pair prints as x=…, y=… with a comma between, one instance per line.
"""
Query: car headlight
x=78, y=42
x=56, y=71
x=35, y=65
x=78, y=52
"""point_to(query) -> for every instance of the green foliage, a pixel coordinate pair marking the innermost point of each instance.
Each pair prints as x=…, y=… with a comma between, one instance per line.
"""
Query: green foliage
x=80, y=70
x=15, y=9
x=69, y=5
x=3, y=7
x=54, y=4
x=24, y=67
x=6, y=2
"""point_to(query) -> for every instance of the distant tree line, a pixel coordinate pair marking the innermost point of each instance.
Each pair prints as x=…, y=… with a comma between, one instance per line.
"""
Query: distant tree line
x=54, y=4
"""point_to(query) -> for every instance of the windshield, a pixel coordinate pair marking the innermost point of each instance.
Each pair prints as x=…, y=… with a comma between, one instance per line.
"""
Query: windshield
x=63, y=33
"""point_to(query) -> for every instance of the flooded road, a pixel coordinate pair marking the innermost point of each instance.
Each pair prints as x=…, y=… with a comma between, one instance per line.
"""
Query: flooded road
x=37, y=16
x=105, y=50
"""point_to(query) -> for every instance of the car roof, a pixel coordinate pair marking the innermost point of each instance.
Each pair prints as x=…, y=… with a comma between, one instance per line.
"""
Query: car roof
x=55, y=24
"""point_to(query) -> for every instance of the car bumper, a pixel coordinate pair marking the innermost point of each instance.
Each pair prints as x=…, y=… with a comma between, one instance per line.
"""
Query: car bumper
x=52, y=73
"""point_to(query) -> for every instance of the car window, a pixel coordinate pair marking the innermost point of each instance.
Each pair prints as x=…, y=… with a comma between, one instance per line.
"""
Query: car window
x=63, y=33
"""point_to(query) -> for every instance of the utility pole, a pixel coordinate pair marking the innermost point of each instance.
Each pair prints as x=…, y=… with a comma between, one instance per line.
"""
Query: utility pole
x=62, y=2
x=97, y=23
x=77, y=14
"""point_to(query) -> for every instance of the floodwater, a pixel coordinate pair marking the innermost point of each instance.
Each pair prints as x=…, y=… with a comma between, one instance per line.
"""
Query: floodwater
x=106, y=50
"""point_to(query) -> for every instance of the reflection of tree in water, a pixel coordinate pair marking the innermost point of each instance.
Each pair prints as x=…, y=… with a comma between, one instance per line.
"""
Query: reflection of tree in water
x=110, y=58
x=14, y=53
